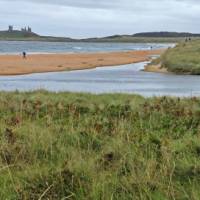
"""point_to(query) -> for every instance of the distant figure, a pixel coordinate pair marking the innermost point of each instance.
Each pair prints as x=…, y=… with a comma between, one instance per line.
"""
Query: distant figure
x=151, y=48
x=24, y=55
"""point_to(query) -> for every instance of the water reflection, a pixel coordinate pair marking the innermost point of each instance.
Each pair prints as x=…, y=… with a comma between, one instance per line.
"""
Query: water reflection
x=120, y=79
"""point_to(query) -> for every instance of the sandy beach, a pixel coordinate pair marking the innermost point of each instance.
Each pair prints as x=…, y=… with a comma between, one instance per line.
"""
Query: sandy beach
x=38, y=63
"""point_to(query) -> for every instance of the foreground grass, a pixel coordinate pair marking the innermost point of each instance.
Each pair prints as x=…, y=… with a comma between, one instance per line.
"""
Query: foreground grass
x=183, y=59
x=75, y=146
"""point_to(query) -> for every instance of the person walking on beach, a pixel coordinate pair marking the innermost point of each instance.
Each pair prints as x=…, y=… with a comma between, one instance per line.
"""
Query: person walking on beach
x=24, y=55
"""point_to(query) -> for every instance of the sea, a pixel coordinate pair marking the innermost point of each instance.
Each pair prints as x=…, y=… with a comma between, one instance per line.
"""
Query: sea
x=12, y=47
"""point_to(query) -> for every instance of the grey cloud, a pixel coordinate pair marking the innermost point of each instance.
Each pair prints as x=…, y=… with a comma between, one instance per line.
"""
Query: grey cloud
x=107, y=4
x=75, y=3
x=90, y=18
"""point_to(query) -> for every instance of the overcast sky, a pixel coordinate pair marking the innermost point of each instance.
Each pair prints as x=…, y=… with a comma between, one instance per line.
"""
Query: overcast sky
x=91, y=18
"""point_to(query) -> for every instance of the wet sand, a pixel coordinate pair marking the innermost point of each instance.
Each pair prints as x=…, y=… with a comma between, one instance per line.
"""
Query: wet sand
x=38, y=63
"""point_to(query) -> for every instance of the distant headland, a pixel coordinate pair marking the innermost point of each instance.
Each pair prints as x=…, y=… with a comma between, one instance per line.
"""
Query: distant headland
x=26, y=34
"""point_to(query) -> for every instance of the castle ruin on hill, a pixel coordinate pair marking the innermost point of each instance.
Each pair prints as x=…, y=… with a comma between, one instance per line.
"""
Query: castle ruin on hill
x=25, y=29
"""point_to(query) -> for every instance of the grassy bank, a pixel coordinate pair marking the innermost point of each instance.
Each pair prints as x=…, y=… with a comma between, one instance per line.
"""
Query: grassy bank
x=121, y=39
x=183, y=59
x=75, y=146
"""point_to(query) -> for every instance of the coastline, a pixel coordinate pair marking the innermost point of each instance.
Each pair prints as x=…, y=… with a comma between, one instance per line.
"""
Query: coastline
x=40, y=63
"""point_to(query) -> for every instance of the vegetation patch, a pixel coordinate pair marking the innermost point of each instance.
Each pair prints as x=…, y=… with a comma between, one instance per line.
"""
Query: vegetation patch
x=81, y=146
x=183, y=59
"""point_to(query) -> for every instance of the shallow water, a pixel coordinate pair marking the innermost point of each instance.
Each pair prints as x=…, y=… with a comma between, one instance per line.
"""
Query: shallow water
x=120, y=79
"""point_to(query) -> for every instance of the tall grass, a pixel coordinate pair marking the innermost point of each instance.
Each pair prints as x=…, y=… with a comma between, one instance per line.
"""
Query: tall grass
x=79, y=146
x=183, y=59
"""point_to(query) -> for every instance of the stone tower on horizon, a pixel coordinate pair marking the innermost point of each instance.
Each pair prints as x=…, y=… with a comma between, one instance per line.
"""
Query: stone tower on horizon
x=26, y=29
x=10, y=28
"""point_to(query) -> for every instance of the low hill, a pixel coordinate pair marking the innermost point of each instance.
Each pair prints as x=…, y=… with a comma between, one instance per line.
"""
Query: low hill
x=148, y=37
x=168, y=37
x=17, y=34
x=133, y=39
x=165, y=34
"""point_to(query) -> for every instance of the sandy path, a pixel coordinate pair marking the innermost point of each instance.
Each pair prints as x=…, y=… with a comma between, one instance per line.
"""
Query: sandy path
x=16, y=65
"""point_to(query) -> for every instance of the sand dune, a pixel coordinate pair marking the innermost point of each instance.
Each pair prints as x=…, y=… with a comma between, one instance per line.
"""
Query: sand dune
x=37, y=63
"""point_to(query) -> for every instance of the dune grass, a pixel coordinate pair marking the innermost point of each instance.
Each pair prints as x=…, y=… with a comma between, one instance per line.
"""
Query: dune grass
x=81, y=146
x=183, y=59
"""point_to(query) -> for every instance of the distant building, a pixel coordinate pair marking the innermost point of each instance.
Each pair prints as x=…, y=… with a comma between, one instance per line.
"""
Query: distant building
x=26, y=29
x=29, y=29
x=23, y=29
x=10, y=28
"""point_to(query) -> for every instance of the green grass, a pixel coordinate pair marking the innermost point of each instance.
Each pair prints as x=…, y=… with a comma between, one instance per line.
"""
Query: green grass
x=131, y=39
x=17, y=34
x=121, y=39
x=183, y=59
x=81, y=146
